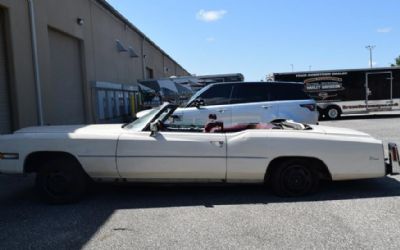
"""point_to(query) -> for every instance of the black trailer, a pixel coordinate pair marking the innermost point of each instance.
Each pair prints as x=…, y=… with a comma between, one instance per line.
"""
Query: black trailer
x=350, y=91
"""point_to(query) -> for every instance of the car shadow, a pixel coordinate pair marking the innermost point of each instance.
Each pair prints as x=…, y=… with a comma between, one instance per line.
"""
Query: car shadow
x=179, y=195
x=27, y=222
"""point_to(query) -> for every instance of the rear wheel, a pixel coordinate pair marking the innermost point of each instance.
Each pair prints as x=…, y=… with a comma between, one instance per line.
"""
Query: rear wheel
x=320, y=114
x=333, y=112
x=61, y=181
x=294, y=178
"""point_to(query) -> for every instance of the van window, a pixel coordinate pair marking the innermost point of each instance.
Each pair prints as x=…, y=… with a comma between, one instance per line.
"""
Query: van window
x=217, y=95
x=245, y=93
x=282, y=92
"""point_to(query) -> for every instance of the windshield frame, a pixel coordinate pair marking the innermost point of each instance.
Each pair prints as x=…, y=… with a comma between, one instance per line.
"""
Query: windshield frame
x=197, y=94
x=143, y=122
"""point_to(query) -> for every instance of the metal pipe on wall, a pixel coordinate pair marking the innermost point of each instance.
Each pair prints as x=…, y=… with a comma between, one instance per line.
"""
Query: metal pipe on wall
x=143, y=58
x=36, y=63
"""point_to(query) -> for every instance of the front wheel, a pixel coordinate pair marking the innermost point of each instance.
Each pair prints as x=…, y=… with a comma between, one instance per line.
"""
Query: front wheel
x=320, y=114
x=294, y=178
x=61, y=181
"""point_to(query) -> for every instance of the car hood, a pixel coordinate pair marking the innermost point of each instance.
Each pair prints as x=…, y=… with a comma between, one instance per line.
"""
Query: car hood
x=76, y=129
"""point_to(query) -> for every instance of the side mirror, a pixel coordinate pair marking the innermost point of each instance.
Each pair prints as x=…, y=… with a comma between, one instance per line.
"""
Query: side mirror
x=154, y=128
x=198, y=103
x=176, y=118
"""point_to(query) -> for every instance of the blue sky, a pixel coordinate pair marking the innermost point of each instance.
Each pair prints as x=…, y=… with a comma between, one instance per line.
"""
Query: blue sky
x=258, y=37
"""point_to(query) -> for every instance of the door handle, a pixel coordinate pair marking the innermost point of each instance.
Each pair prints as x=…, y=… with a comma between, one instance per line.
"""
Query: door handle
x=266, y=106
x=221, y=110
x=219, y=144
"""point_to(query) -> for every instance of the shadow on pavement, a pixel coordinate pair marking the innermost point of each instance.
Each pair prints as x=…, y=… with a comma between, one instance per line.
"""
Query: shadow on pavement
x=26, y=222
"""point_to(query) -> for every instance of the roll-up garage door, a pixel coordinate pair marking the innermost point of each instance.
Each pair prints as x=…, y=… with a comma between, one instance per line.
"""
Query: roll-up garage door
x=63, y=95
x=5, y=116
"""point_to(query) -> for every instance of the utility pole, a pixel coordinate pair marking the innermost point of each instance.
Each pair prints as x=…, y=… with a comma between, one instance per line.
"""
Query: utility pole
x=370, y=48
x=309, y=68
x=291, y=65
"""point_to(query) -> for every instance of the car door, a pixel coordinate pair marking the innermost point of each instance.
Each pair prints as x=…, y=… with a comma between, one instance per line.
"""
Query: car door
x=251, y=103
x=379, y=91
x=216, y=101
x=172, y=156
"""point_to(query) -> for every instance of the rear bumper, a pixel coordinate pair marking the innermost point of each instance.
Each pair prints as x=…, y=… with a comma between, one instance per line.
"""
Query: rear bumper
x=393, y=162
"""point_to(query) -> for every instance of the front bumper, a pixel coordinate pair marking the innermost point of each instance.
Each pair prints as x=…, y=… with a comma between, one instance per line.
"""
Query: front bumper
x=393, y=163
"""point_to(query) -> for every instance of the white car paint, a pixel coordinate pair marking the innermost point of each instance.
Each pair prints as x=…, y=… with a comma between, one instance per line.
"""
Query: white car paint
x=172, y=155
x=111, y=152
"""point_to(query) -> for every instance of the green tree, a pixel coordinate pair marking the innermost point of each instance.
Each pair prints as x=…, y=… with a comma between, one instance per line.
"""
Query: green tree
x=397, y=60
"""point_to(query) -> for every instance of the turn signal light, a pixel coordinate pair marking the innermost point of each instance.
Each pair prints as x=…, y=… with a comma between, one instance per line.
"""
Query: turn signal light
x=395, y=154
x=9, y=156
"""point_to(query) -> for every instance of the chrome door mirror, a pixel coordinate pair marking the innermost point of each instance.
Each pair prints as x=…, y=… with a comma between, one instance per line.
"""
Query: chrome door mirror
x=175, y=118
x=198, y=103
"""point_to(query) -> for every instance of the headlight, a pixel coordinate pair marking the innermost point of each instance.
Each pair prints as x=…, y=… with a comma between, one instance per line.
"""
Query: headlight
x=9, y=156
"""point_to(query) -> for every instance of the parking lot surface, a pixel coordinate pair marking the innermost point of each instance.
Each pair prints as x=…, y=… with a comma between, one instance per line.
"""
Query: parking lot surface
x=352, y=214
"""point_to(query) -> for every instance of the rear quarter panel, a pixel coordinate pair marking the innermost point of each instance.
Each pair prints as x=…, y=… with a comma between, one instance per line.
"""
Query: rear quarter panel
x=292, y=110
x=250, y=152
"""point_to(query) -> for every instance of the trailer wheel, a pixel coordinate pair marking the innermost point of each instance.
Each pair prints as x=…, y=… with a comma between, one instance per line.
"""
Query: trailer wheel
x=333, y=112
x=320, y=113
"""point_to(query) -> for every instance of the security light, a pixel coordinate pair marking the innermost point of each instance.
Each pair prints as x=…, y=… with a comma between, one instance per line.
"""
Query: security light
x=80, y=21
x=120, y=47
x=132, y=53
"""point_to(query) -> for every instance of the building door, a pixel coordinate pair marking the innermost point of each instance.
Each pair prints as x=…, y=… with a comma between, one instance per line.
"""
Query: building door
x=379, y=90
x=5, y=114
x=63, y=95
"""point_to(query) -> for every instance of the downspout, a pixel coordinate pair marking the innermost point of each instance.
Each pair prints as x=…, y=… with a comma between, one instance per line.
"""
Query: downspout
x=143, y=58
x=36, y=63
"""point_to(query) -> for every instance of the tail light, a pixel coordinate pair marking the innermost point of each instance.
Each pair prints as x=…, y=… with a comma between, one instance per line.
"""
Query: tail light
x=393, y=152
x=311, y=107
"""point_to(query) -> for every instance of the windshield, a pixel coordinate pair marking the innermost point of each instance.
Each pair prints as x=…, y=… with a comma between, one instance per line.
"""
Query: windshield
x=198, y=93
x=140, y=123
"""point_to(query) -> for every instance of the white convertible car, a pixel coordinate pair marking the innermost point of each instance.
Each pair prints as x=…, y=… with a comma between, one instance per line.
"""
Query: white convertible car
x=291, y=157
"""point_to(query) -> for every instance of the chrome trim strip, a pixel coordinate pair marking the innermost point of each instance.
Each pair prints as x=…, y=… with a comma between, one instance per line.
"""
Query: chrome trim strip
x=170, y=156
x=99, y=156
x=247, y=157
x=190, y=156
x=167, y=156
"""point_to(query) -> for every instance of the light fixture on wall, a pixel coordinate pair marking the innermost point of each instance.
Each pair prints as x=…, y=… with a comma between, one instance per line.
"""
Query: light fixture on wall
x=120, y=47
x=80, y=21
x=132, y=53
x=166, y=69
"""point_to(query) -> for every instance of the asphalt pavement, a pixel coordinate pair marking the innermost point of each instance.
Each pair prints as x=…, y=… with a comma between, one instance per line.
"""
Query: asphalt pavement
x=343, y=215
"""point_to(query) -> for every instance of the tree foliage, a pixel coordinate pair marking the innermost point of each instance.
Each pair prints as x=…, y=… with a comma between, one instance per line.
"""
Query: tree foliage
x=397, y=62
